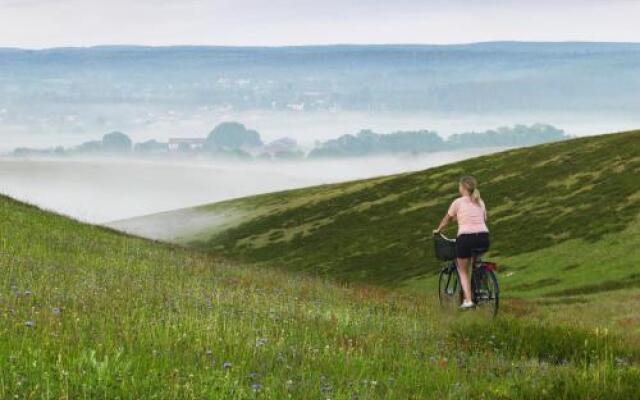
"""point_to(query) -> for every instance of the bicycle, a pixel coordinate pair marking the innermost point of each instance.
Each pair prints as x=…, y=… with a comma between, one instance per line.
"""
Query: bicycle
x=485, y=291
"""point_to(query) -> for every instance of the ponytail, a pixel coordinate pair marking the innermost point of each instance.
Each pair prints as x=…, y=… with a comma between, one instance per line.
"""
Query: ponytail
x=470, y=183
x=475, y=196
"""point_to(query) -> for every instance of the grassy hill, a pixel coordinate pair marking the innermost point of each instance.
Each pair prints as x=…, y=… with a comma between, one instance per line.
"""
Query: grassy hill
x=86, y=312
x=564, y=219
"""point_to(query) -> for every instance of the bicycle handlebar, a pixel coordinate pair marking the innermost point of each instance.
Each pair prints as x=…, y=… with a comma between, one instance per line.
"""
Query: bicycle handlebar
x=442, y=236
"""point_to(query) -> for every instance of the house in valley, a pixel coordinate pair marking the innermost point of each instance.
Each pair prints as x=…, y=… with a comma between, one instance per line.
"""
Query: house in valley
x=186, y=144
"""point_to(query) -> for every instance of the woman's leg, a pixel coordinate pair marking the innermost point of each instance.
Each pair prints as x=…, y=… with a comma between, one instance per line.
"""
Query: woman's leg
x=463, y=271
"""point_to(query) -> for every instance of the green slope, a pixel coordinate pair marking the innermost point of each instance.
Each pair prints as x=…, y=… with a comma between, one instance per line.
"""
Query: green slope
x=90, y=313
x=563, y=218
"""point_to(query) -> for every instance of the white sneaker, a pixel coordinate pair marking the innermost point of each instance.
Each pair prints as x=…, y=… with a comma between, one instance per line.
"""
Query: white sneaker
x=466, y=305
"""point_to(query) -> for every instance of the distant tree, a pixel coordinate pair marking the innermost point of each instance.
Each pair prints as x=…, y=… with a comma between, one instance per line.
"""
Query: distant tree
x=233, y=135
x=282, y=144
x=150, y=146
x=288, y=155
x=367, y=142
x=411, y=141
x=237, y=154
x=518, y=135
x=29, y=152
x=116, y=142
x=92, y=146
x=22, y=151
x=283, y=149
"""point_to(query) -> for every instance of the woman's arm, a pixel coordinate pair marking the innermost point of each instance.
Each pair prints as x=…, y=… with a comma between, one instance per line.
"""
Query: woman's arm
x=451, y=213
x=484, y=209
x=443, y=223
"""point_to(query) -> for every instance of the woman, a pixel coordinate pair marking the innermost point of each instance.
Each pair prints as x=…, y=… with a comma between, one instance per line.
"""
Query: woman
x=473, y=234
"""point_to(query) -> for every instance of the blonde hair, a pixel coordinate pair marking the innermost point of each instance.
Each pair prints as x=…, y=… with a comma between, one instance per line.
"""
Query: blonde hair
x=471, y=184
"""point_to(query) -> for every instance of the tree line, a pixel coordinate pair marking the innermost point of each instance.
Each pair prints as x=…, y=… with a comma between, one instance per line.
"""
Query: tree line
x=233, y=139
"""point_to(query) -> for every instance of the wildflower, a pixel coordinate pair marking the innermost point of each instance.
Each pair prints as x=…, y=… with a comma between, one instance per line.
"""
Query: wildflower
x=256, y=387
x=15, y=289
x=325, y=386
x=621, y=361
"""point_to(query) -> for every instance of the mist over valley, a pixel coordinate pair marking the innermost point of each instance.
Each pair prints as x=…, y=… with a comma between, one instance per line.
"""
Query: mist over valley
x=106, y=189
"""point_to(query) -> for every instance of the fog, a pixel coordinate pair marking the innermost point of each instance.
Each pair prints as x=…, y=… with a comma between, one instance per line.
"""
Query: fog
x=105, y=190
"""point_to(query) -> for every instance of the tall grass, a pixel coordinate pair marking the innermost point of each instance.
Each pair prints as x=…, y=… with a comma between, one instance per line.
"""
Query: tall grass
x=86, y=313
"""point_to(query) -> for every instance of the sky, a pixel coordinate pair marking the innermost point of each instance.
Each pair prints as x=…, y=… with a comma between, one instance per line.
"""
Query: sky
x=56, y=23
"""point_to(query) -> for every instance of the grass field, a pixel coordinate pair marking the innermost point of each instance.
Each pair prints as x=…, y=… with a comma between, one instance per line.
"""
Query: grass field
x=86, y=312
x=90, y=313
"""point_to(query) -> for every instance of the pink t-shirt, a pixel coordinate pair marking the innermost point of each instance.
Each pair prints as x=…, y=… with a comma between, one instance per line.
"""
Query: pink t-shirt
x=471, y=216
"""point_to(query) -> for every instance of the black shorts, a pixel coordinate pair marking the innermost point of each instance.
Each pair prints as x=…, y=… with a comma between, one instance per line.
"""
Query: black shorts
x=469, y=244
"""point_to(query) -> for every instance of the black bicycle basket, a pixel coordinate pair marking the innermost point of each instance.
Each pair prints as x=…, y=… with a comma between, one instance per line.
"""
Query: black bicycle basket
x=445, y=248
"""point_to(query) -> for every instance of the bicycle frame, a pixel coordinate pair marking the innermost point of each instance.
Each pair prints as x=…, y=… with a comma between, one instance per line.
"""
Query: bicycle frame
x=480, y=271
x=453, y=266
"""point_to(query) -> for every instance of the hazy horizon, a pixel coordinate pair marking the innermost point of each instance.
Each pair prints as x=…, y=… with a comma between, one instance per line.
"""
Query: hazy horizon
x=319, y=44
x=302, y=22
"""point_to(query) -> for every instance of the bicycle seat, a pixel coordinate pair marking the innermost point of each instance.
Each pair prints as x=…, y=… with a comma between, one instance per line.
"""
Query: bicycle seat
x=478, y=252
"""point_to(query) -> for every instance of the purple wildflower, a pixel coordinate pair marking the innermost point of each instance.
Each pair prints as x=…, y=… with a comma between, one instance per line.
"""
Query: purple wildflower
x=256, y=387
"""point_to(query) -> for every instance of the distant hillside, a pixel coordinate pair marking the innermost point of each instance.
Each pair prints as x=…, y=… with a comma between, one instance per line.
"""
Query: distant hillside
x=479, y=77
x=557, y=211
x=87, y=90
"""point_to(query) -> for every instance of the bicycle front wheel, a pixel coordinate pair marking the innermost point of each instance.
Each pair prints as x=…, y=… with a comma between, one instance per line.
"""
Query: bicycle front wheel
x=449, y=290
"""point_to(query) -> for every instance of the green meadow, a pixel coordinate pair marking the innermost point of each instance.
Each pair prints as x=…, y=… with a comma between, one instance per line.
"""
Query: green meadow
x=329, y=292
x=563, y=216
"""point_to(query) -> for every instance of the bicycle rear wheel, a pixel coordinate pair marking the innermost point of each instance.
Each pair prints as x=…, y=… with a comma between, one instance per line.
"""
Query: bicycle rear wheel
x=449, y=290
x=486, y=291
